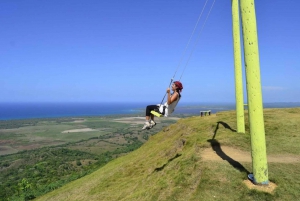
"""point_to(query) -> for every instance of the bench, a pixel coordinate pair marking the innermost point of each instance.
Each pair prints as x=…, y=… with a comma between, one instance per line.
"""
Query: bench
x=204, y=113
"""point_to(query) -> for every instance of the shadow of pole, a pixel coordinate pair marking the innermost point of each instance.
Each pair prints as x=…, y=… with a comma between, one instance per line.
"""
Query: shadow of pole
x=216, y=146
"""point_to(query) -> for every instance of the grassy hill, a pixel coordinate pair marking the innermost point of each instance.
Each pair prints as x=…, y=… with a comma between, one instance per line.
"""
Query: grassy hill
x=198, y=158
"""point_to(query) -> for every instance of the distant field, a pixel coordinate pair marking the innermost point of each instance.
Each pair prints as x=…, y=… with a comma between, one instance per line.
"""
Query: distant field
x=92, y=134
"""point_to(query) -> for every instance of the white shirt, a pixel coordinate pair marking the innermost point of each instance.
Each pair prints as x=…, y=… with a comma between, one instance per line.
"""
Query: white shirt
x=169, y=108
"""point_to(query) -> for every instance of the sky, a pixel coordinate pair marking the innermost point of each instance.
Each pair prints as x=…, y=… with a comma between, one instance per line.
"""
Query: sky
x=128, y=51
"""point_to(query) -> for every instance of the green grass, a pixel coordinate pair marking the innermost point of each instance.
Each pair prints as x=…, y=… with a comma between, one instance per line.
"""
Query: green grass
x=170, y=165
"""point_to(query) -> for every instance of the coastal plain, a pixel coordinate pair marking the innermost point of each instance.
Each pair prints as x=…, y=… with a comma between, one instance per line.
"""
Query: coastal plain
x=89, y=132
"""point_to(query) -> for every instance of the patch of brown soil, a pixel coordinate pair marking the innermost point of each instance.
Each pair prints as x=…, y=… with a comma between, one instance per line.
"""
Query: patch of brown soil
x=266, y=188
x=79, y=130
x=6, y=142
x=78, y=120
x=138, y=120
x=243, y=156
x=28, y=147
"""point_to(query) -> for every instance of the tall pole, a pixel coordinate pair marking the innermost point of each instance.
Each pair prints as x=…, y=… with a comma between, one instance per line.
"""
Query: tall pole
x=239, y=98
x=254, y=94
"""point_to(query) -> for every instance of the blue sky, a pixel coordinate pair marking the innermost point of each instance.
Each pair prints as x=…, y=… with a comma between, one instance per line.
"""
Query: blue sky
x=124, y=51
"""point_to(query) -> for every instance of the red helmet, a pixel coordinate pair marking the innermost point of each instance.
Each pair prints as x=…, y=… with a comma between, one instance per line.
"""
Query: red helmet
x=178, y=85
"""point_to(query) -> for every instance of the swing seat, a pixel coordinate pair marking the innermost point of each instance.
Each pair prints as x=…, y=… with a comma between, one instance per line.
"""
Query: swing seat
x=156, y=114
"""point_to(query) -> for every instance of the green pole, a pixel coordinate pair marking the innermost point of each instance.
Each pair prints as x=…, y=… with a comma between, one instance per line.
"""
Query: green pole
x=239, y=98
x=254, y=94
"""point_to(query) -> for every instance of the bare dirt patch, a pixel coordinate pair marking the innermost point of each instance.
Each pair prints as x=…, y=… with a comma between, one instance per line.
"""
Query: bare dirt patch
x=6, y=142
x=243, y=156
x=7, y=150
x=28, y=147
x=138, y=120
x=266, y=188
x=79, y=130
x=131, y=120
x=79, y=120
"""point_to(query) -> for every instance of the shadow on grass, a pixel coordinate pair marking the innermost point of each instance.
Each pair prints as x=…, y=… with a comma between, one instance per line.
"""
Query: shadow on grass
x=216, y=146
x=225, y=126
x=162, y=167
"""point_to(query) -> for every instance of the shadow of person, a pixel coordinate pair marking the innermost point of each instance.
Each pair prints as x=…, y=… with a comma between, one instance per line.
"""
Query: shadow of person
x=225, y=126
x=217, y=148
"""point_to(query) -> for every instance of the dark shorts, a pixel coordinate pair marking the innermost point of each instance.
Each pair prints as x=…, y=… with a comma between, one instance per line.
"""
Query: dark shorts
x=149, y=108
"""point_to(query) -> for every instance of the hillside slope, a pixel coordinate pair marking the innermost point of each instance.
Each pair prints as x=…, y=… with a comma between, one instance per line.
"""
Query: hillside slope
x=198, y=158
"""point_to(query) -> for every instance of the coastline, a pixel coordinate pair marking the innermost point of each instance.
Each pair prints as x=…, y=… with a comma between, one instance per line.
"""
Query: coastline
x=21, y=111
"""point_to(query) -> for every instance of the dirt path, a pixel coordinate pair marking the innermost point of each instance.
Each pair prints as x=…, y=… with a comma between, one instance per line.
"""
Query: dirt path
x=242, y=156
x=228, y=153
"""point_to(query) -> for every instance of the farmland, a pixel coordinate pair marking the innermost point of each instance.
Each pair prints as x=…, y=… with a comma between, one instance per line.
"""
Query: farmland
x=39, y=155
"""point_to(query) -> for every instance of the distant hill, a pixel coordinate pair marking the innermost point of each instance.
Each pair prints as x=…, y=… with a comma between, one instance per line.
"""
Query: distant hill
x=198, y=158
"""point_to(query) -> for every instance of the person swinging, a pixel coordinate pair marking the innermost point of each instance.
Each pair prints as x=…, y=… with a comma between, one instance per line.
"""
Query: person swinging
x=165, y=109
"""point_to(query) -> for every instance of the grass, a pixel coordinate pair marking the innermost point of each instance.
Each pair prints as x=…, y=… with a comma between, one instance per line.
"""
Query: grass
x=171, y=165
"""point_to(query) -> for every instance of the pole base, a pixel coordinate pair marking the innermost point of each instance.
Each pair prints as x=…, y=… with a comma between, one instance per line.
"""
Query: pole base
x=252, y=179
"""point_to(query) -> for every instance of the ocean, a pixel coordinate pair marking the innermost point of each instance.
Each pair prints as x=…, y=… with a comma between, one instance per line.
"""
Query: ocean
x=10, y=111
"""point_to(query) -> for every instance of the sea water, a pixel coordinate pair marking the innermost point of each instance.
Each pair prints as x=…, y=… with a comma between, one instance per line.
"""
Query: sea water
x=50, y=110
x=10, y=111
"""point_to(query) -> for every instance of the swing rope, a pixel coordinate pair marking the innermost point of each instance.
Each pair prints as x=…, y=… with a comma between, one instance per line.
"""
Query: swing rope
x=186, y=47
x=192, y=35
x=197, y=38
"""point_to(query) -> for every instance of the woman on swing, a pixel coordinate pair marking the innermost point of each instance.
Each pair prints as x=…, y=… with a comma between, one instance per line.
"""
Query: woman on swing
x=165, y=109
